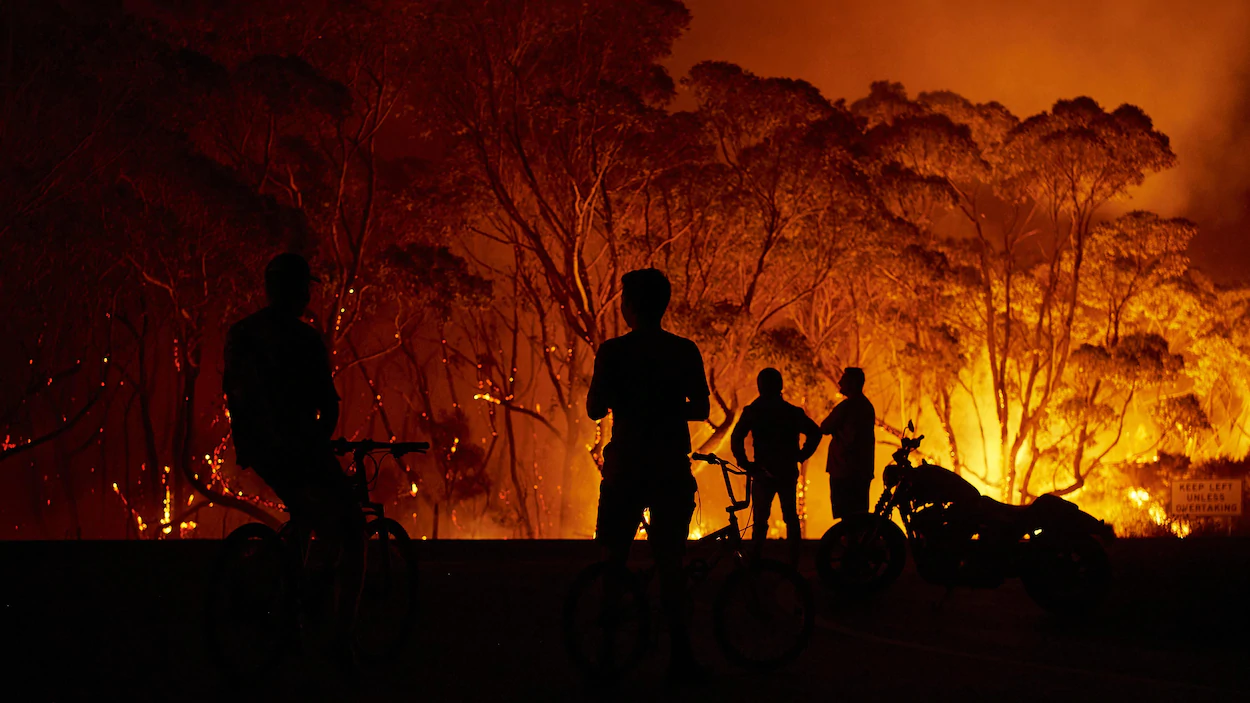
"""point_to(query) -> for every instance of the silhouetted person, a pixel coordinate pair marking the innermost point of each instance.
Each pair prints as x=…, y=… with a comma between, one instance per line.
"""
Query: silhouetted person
x=283, y=410
x=653, y=383
x=852, y=446
x=775, y=427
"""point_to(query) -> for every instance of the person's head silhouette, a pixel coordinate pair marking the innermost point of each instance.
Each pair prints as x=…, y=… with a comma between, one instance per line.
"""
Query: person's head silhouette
x=769, y=383
x=644, y=298
x=852, y=381
x=286, y=283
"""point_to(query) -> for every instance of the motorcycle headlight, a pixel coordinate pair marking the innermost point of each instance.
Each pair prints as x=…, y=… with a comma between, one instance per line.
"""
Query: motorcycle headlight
x=891, y=475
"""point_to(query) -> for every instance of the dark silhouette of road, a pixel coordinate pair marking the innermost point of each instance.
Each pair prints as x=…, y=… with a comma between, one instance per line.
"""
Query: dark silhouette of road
x=102, y=620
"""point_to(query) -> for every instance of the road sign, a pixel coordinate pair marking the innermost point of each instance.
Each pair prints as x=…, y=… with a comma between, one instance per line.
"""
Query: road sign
x=1206, y=498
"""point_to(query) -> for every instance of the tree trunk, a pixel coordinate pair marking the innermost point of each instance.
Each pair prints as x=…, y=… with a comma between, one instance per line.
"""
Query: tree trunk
x=184, y=459
x=151, y=500
x=943, y=409
x=521, y=508
x=568, y=472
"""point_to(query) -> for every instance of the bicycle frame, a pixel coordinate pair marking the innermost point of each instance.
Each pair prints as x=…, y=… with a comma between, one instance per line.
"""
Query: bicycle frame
x=360, y=480
x=301, y=587
x=731, y=533
x=740, y=584
x=360, y=484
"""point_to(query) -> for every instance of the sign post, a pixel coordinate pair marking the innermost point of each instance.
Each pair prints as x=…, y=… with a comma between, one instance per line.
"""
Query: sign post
x=1206, y=498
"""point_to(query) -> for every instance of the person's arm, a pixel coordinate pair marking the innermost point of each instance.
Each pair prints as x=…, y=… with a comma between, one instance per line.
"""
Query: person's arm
x=737, y=440
x=328, y=405
x=811, y=435
x=329, y=419
x=826, y=425
x=834, y=426
x=697, y=404
x=230, y=372
x=598, y=400
x=243, y=383
x=252, y=420
x=866, y=429
x=846, y=432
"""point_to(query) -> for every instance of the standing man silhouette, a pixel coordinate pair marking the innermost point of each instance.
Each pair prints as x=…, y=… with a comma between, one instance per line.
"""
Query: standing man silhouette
x=851, y=447
x=653, y=383
x=774, y=426
x=283, y=410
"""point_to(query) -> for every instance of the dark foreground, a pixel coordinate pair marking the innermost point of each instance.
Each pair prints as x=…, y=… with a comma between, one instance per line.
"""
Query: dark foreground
x=100, y=620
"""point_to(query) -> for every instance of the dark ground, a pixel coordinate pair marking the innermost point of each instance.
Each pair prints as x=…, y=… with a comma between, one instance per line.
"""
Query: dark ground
x=103, y=620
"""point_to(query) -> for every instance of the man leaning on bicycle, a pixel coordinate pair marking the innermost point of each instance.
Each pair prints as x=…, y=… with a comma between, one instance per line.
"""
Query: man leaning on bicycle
x=283, y=409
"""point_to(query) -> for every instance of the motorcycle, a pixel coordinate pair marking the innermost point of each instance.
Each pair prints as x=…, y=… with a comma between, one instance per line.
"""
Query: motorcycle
x=958, y=537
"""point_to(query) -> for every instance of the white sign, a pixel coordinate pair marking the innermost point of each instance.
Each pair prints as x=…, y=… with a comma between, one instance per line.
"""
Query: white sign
x=1202, y=498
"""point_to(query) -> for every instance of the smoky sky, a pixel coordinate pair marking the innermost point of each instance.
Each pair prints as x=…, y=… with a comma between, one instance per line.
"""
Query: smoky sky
x=1186, y=63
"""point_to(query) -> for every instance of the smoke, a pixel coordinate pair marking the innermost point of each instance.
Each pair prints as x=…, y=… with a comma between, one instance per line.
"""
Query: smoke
x=1186, y=64
x=1219, y=190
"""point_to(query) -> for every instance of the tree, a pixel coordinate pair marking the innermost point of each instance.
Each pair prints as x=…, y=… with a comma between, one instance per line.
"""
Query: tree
x=551, y=102
x=792, y=201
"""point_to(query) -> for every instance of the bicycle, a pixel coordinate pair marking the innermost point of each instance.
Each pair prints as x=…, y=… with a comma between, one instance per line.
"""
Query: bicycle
x=265, y=584
x=763, y=615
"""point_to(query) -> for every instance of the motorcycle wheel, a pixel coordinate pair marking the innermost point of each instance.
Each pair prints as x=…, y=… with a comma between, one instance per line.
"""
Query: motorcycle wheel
x=861, y=554
x=1067, y=575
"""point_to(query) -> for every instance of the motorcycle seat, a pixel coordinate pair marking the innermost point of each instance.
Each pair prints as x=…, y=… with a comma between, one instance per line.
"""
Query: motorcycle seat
x=1003, y=513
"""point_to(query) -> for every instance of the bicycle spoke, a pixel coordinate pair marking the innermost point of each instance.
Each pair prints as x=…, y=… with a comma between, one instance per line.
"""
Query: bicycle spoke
x=250, y=603
x=387, y=608
x=763, y=615
x=605, y=622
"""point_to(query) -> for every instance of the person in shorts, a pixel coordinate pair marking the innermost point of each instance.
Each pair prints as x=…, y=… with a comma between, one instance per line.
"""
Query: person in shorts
x=652, y=381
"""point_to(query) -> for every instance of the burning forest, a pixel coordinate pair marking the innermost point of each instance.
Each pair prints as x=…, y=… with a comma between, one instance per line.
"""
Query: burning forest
x=471, y=179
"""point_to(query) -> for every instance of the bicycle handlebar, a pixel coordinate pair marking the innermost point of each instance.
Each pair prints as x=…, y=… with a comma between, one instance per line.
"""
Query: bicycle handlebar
x=343, y=446
x=728, y=468
x=723, y=463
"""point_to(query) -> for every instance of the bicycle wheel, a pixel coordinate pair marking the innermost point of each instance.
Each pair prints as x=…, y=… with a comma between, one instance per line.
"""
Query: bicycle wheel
x=861, y=554
x=250, y=605
x=606, y=621
x=763, y=615
x=387, y=613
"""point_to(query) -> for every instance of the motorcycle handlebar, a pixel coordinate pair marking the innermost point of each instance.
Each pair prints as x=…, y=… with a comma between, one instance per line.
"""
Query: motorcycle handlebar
x=911, y=443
